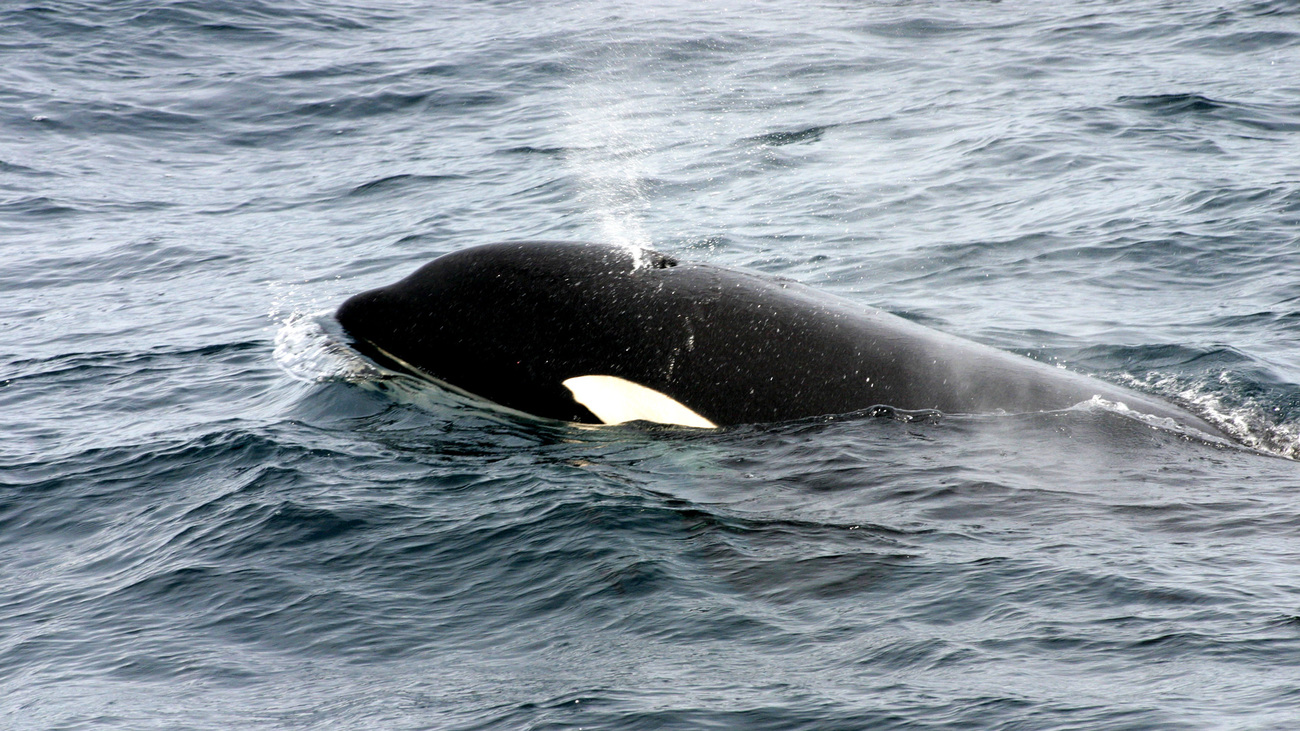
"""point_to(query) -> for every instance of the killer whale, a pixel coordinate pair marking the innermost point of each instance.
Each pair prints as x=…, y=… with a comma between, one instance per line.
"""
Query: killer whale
x=595, y=333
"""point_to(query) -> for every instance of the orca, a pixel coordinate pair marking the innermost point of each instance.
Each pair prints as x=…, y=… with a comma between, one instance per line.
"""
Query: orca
x=606, y=334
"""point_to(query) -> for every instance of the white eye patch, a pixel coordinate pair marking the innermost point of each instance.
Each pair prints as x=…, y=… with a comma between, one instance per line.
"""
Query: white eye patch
x=614, y=400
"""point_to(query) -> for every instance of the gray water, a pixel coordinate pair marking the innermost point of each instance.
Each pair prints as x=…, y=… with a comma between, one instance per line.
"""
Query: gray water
x=213, y=515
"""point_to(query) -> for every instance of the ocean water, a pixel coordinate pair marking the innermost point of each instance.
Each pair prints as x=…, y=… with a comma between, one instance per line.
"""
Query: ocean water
x=214, y=515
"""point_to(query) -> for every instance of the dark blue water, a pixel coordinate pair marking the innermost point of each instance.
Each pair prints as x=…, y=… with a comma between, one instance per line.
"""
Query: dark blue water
x=213, y=516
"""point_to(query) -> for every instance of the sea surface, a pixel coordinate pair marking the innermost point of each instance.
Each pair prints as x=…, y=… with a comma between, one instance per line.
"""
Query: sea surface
x=215, y=515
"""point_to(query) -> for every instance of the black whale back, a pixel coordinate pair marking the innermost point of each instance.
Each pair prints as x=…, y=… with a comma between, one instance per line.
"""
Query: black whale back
x=510, y=322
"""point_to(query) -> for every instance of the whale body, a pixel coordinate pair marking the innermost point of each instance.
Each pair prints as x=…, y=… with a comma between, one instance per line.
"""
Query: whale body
x=595, y=333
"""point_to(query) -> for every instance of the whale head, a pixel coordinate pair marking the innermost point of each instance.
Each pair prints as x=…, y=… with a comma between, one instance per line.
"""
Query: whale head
x=556, y=329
